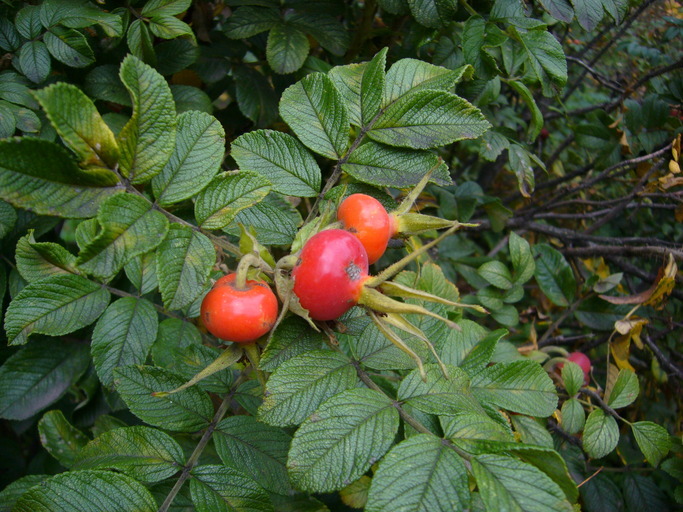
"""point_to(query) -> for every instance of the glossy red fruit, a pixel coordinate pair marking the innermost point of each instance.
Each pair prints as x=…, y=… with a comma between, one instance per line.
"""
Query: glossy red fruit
x=329, y=277
x=583, y=361
x=368, y=220
x=239, y=315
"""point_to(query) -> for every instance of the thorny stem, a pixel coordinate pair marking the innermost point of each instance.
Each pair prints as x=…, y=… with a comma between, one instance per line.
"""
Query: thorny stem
x=601, y=403
x=194, y=458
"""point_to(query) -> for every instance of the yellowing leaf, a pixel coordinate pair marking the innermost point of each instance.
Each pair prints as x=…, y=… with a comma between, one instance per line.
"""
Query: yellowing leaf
x=666, y=281
x=655, y=295
x=674, y=167
x=631, y=328
x=621, y=348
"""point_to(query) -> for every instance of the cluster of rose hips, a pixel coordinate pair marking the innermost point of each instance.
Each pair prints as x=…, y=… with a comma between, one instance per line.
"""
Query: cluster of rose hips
x=329, y=275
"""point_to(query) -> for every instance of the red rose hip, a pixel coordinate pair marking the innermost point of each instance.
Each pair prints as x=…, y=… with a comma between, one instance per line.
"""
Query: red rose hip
x=368, y=220
x=329, y=276
x=239, y=315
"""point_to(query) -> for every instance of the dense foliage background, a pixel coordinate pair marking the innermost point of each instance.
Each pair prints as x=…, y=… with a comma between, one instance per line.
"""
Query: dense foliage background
x=145, y=147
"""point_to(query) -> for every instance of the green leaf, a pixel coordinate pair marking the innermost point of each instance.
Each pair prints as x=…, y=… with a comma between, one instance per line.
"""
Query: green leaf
x=287, y=48
x=412, y=75
x=326, y=29
x=520, y=386
x=8, y=219
x=385, y=166
x=58, y=305
x=509, y=484
x=522, y=258
x=173, y=334
x=186, y=411
x=40, y=176
x=165, y=7
x=291, y=338
x=478, y=38
x=546, y=64
x=227, y=195
x=129, y=227
x=588, y=13
x=430, y=13
x=36, y=261
x=496, y=273
x=481, y=354
x=625, y=390
x=69, y=46
x=34, y=61
x=196, y=158
x=299, y=385
x=142, y=272
x=601, y=493
x=10, y=40
x=147, y=140
x=536, y=123
x=144, y=453
x=438, y=478
x=78, y=123
x=600, y=435
x=559, y=9
x=222, y=489
x=248, y=21
x=10, y=494
x=643, y=493
x=522, y=164
x=27, y=21
x=39, y=375
x=184, y=261
x=79, y=14
x=573, y=416
x=60, y=438
x=554, y=275
x=8, y=123
x=281, y=159
x=341, y=440
x=169, y=27
x=531, y=432
x=123, y=335
x=255, y=449
x=347, y=80
x=572, y=377
x=438, y=395
x=546, y=459
x=466, y=428
x=87, y=490
x=653, y=440
x=428, y=119
x=104, y=83
x=315, y=111
x=273, y=220
x=256, y=97
x=188, y=98
x=372, y=348
x=372, y=87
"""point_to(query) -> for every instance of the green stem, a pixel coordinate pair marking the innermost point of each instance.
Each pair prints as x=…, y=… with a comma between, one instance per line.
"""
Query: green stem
x=247, y=261
x=254, y=356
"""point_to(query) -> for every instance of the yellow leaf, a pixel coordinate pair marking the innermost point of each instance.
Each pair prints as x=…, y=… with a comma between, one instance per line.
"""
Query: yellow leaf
x=676, y=147
x=665, y=284
x=633, y=328
x=621, y=349
x=674, y=167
